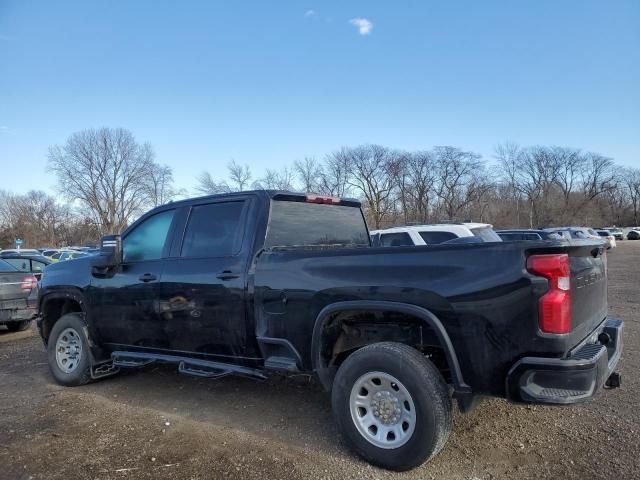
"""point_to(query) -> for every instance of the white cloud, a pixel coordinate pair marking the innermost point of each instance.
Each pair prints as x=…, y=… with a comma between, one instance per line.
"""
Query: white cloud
x=310, y=13
x=363, y=25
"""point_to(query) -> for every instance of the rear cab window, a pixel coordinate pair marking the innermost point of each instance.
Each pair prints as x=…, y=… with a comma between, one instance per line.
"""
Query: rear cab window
x=302, y=224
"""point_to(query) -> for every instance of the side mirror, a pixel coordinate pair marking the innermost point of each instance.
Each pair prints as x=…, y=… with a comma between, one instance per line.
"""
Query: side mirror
x=111, y=248
x=110, y=255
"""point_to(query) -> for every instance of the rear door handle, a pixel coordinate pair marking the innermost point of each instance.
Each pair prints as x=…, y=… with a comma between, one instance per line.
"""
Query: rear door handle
x=227, y=275
x=147, y=277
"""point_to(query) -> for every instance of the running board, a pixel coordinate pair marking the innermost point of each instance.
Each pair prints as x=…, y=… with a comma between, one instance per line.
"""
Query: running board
x=186, y=365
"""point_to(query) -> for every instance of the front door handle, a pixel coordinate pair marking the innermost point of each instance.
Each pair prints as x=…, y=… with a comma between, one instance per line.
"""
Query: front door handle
x=227, y=275
x=147, y=277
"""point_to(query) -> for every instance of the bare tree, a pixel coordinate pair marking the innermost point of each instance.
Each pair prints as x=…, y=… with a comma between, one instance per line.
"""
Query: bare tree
x=239, y=176
x=107, y=172
x=276, y=180
x=415, y=178
x=373, y=169
x=631, y=178
x=309, y=174
x=206, y=185
x=459, y=179
x=335, y=174
x=161, y=185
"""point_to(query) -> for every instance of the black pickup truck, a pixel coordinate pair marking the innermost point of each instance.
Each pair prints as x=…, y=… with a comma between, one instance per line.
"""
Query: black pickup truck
x=266, y=282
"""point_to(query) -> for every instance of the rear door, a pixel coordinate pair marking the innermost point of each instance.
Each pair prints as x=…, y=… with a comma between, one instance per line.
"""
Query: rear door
x=202, y=301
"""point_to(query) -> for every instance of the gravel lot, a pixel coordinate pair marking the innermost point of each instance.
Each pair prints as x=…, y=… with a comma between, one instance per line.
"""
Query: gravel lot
x=158, y=424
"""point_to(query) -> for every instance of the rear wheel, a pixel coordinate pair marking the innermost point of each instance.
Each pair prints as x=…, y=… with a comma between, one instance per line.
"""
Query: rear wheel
x=392, y=405
x=18, y=326
x=68, y=351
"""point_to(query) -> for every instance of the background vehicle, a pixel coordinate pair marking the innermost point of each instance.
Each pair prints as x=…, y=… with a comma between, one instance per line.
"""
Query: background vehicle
x=18, y=297
x=616, y=232
x=255, y=283
x=609, y=236
x=515, y=235
x=576, y=232
x=50, y=252
x=63, y=255
x=25, y=251
x=432, y=234
x=25, y=263
x=633, y=234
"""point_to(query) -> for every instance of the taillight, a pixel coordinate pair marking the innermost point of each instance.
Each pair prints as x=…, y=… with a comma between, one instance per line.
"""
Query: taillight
x=554, y=307
x=29, y=283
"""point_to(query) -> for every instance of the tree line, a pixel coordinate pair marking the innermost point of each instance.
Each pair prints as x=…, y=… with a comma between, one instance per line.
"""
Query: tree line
x=106, y=179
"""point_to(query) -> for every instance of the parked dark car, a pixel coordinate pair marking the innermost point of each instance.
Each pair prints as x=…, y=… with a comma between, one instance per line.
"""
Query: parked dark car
x=516, y=235
x=634, y=234
x=18, y=297
x=26, y=263
x=258, y=283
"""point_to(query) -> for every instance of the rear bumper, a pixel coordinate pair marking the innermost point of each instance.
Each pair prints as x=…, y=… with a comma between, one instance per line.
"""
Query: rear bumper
x=573, y=379
x=17, y=310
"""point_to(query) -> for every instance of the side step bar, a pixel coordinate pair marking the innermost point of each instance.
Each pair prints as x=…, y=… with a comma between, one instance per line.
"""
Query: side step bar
x=189, y=366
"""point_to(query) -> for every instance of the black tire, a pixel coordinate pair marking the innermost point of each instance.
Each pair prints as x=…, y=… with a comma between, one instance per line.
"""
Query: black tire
x=18, y=326
x=428, y=390
x=81, y=375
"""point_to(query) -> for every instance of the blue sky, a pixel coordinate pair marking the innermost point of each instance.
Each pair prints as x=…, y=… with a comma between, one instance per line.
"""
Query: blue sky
x=269, y=82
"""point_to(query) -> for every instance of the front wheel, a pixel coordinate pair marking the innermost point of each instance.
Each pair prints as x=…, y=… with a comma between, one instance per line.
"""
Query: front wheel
x=392, y=405
x=68, y=351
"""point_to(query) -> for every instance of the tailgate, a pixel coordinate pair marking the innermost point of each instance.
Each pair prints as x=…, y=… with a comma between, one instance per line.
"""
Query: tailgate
x=588, y=288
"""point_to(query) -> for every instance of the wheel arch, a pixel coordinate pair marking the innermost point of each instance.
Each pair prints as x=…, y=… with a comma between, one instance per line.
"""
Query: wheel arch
x=54, y=305
x=325, y=373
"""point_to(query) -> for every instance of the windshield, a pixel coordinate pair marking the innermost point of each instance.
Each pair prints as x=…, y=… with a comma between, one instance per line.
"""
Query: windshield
x=311, y=224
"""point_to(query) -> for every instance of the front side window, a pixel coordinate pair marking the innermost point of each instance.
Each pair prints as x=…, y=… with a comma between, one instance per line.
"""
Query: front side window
x=401, y=239
x=37, y=266
x=146, y=241
x=212, y=230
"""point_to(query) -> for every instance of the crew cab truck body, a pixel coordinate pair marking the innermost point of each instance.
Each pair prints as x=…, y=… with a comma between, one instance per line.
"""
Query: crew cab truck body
x=268, y=282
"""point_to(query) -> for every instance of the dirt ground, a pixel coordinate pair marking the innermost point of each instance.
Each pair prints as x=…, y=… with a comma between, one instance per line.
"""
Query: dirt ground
x=157, y=424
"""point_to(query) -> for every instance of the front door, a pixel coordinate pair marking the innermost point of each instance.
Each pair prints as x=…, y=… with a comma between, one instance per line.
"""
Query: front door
x=203, y=286
x=124, y=307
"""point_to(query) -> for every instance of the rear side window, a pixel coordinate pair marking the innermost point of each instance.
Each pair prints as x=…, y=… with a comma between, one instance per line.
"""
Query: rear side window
x=146, y=241
x=400, y=239
x=436, y=237
x=486, y=234
x=6, y=267
x=20, y=264
x=300, y=224
x=212, y=230
x=510, y=237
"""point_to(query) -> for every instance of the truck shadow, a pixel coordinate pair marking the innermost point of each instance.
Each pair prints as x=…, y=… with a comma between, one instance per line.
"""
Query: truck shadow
x=288, y=410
